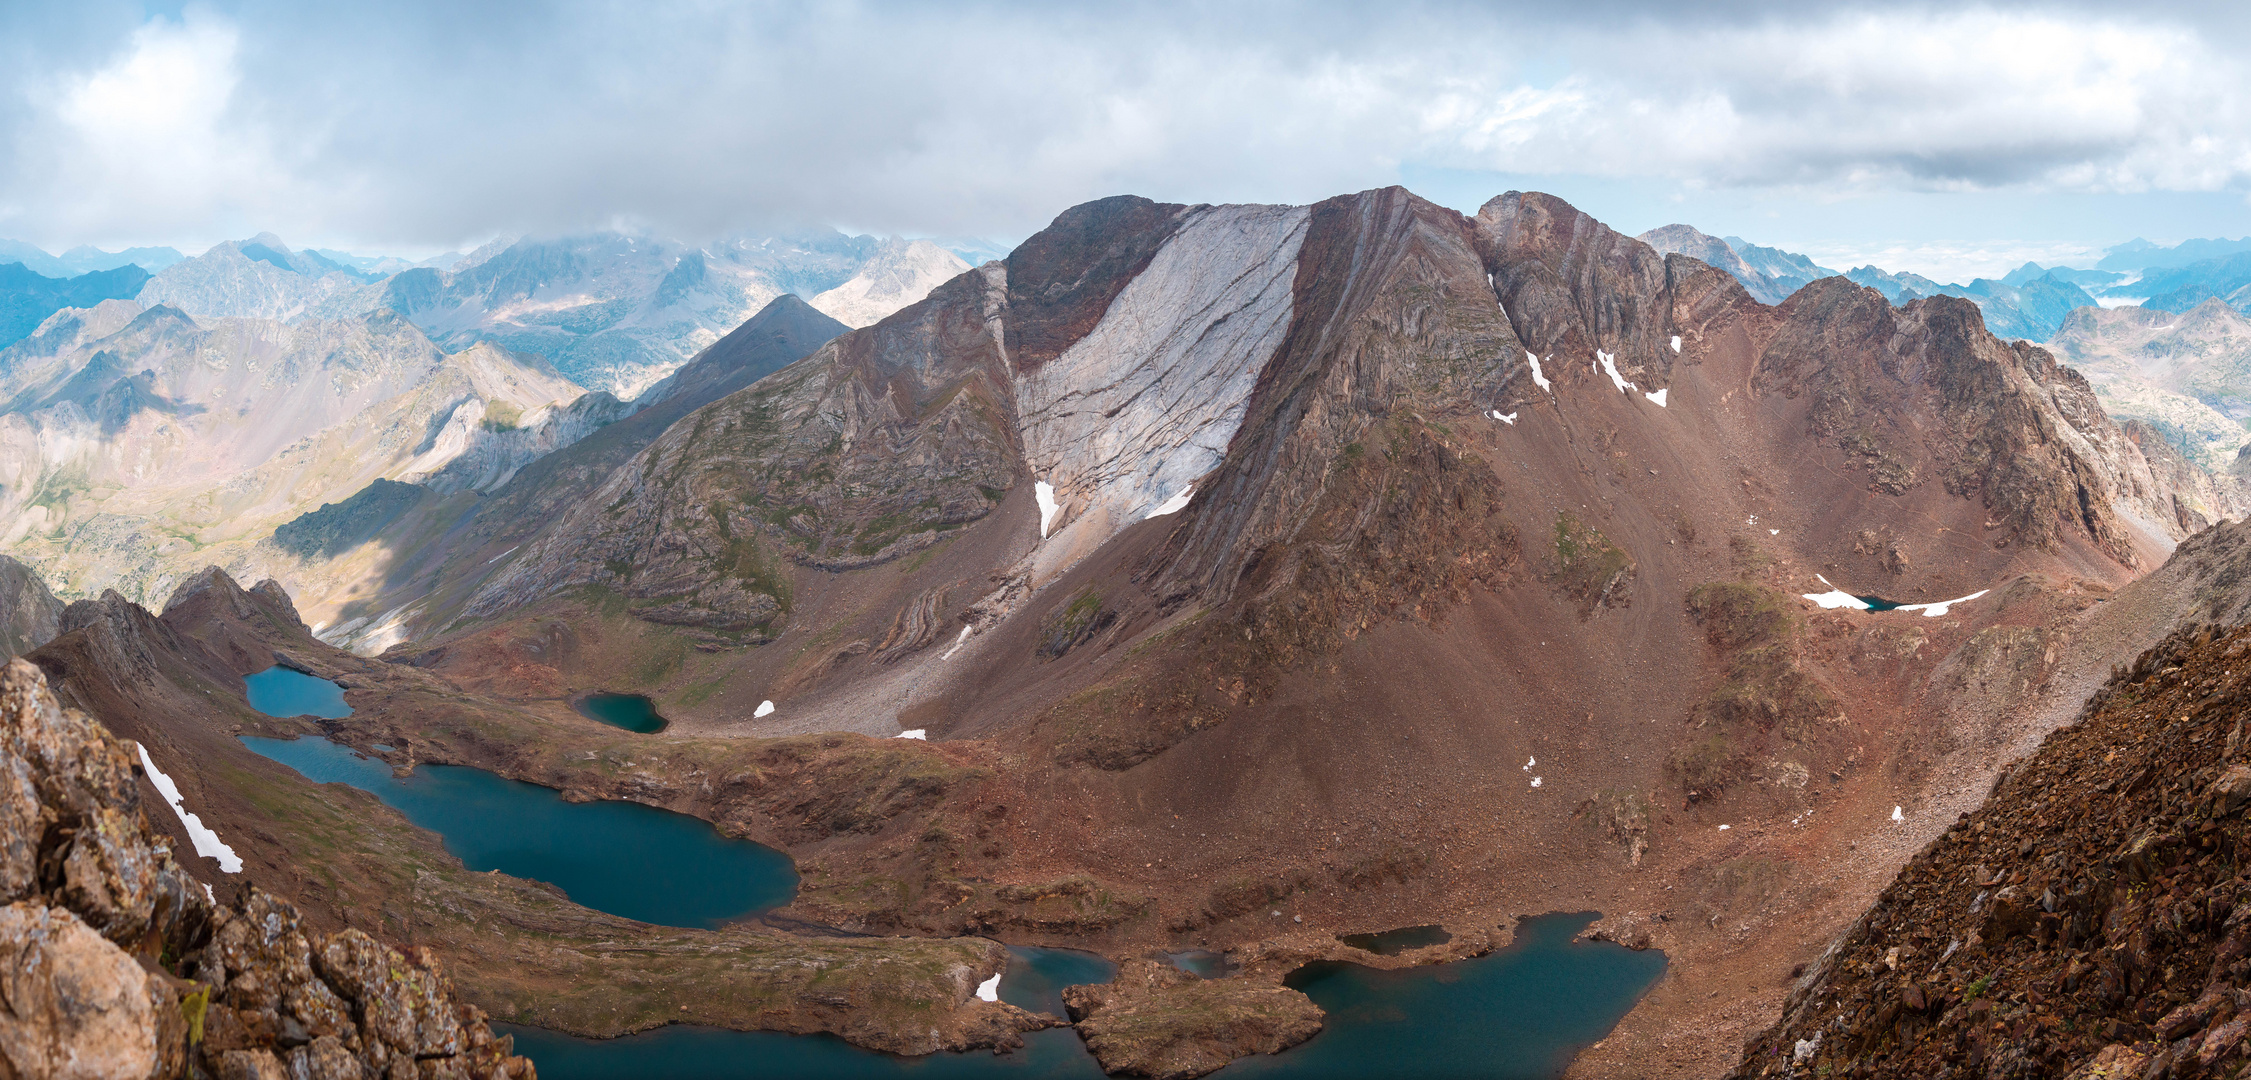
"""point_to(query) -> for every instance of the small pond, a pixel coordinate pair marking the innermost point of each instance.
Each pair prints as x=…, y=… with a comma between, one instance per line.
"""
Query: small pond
x=629, y=711
x=1034, y=980
x=619, y=857
x=1394, y=942
x=278, y=691
x=1521, y=1013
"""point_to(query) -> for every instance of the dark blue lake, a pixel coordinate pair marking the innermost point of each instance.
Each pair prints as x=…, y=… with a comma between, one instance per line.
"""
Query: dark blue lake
x=278, y=691
x=1521, y=1013
x=632, y=712
x=619, y=857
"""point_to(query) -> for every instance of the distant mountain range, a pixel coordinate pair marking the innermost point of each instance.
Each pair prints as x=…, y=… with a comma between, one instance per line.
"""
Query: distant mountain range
x=2032, y=306
x=611, y=311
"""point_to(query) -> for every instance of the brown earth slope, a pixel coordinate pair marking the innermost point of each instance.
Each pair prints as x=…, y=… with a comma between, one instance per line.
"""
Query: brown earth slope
x=2088, y=921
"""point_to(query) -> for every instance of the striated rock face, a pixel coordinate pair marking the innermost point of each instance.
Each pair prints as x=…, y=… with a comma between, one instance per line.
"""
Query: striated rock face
x=1134, y=412
x=1573, y=286
x=2092, y=919
x=30, y=616
x=1158, y=1021
x=115, y=963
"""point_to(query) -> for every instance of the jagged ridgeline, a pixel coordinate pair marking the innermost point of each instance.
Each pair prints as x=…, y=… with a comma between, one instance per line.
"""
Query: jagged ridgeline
x=1248, y=578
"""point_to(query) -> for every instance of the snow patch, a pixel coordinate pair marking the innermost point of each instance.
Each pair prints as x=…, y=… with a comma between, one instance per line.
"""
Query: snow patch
x=208, y=894
x=1774, y=532
x=949, y=653
x=1610, y=368
x=1535, y=781
x=1676, y=343
x=1529, y=762
x=1509, y=419
x=765, y=708
x=1173, y=505
x=924, y=735
x=1538, y=379
x=1835, y=597
x=1724, y=828
x=989, y=990
x=1896, y=815
x=1045, y=493
x=206, y=842
x=1659, y=396
x=1934, y=610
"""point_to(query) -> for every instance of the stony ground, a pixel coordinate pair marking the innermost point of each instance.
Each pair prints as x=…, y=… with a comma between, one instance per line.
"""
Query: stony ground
x=2091, y=920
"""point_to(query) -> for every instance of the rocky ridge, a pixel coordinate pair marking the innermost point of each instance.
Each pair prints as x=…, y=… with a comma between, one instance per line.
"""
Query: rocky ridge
x=2090, y=920
x=120, y=964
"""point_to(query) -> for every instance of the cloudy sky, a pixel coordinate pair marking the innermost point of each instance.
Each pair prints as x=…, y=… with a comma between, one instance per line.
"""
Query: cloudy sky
x=1948, y=140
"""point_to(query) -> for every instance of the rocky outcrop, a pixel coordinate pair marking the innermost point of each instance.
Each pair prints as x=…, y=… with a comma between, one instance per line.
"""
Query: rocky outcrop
x=1157, y=1021
x=338, y=527
x=118, y=964
x=2092, y=919
x=30, y=616
x=2007, y=425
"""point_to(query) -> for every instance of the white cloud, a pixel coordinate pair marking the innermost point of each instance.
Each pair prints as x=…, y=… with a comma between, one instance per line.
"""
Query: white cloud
x=434, y=124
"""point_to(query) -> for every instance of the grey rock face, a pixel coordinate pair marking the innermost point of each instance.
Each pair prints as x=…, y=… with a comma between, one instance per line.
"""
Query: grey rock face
x=30, y=616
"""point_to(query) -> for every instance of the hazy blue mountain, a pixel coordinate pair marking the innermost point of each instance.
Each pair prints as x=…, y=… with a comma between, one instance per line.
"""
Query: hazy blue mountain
x=2034, y=310
x=85, y=260
x=27, y=298
x=1787, y=267
x=2094, y=281
x=2139, y=254
x=2182, y=288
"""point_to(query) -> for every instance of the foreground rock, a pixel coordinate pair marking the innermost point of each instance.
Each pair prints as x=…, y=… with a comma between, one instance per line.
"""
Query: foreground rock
x=2093, y=919
x=115, y=963
x=1156, y=1020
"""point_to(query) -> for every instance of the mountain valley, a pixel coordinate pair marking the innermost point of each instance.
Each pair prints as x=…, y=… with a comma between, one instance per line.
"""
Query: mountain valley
x=1229, y=578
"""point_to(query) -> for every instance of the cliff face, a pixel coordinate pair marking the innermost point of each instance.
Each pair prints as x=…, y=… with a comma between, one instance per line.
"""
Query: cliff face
x=119, y=964
x=30, y=616
x=2092, y=919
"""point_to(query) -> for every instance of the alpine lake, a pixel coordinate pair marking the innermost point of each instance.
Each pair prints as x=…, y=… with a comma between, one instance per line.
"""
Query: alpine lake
x=1518, y=1013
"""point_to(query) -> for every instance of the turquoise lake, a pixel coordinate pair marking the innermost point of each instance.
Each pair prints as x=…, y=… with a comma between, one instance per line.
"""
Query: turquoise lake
x=632, y=712
x=1521, y=1013
x=619, y=857
x=278, y=691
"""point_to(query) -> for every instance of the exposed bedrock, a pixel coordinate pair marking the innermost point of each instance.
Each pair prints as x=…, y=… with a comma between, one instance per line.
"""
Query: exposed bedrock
x=115, y=962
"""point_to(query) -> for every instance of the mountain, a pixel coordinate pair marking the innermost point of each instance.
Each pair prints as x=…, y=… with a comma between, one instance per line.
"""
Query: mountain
x=1769, y=274
x=141, y=441
x=1151, y=515
x=1248, y=577
x=2139, y=254
x=2032, y=311
x=83, y=260
x=2189, y=374
x=899, y=273
x=616, y=312
x=2181, y=288
x=261, y=278
x=2093, y=280
x=27, y=299
x=433, y=541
